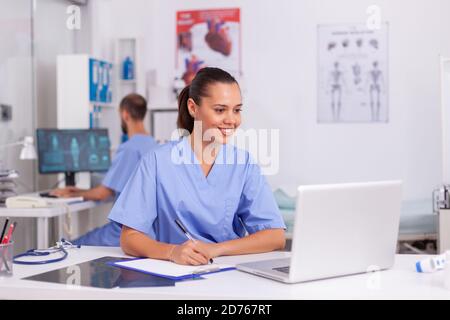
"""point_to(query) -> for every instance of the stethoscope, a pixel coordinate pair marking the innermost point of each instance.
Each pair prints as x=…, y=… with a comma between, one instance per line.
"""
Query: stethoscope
x=61, y=247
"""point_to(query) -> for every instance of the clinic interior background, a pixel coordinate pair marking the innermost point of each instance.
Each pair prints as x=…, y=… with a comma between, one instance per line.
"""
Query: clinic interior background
x=279, y=82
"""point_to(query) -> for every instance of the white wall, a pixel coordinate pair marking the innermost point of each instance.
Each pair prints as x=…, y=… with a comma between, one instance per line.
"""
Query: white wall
x=280, y=73
x=16, y=85
x=29, y=85
x=16, y=89
x=109, y=20
x=51, y=37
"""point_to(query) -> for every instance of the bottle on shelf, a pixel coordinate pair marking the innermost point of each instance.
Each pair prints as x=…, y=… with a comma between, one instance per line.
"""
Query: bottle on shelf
x=128, y=69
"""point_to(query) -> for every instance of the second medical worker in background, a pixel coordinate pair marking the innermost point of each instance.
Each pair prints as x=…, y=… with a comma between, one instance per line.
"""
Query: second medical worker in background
x=215, y=190
x=132, y=109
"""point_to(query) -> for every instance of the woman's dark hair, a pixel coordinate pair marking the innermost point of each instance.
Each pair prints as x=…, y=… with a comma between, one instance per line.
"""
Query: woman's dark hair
x=197, y=90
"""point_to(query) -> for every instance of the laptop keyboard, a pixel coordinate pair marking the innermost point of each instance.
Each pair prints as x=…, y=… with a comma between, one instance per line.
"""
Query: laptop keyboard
x=282, y=269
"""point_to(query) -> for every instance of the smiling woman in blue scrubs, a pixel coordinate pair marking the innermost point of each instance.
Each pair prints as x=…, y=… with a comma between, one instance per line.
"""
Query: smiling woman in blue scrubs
x=215, y=190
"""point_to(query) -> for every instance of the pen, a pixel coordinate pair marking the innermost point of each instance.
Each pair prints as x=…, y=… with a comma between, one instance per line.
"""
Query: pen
x=7, y=238
x=4, y=229
x=12, y=231
x=187, y=234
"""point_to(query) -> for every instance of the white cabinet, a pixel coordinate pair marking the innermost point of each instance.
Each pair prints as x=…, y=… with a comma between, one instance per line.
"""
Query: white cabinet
x=84, y=87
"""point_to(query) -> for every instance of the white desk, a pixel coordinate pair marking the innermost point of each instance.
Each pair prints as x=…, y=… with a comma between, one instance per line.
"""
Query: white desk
x=401, y=282
x=43, y=215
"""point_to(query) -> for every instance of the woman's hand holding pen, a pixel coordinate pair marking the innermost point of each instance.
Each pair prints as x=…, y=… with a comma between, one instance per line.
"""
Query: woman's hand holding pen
x=191, y=253
x=210, y=250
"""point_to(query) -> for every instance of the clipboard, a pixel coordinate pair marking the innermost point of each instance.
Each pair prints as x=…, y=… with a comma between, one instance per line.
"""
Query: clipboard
x=170, y=270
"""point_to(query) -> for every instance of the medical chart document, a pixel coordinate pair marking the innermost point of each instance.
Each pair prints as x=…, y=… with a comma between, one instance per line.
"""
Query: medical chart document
x=171, y=270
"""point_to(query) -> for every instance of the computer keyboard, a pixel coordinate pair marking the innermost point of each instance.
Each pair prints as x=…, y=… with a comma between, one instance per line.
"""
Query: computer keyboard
x=282, y=269
x=47, y=195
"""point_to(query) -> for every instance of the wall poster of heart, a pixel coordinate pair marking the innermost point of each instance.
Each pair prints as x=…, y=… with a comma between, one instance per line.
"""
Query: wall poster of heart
x=208, y=38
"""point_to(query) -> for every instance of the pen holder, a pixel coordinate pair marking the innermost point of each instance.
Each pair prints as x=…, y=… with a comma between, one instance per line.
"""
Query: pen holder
x=6, y=259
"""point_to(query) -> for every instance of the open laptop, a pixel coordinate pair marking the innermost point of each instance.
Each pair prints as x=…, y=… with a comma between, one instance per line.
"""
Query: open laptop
x=339, y=230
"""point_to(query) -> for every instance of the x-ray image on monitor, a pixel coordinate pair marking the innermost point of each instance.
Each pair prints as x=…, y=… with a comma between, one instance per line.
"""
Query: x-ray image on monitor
x=73, y=150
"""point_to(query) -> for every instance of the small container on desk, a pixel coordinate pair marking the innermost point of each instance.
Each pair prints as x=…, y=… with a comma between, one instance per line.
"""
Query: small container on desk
x=6, y=259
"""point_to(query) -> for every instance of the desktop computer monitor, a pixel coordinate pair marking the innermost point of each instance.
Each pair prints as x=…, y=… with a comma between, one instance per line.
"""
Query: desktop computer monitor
x=70, y=151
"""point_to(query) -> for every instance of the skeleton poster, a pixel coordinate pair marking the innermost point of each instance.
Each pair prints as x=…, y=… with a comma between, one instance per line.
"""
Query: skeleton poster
x=208, y=38
x=352, y=74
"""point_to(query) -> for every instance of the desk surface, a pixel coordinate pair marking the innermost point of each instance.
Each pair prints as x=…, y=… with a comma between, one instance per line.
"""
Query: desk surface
x=49, y=212
x=401, y=282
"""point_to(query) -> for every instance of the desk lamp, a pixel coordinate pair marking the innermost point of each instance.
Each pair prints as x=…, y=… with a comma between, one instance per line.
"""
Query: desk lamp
x=28, y=152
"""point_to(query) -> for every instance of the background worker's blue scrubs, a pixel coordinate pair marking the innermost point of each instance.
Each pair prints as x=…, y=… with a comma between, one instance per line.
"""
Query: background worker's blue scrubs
x=169, y=184
x=125, y=162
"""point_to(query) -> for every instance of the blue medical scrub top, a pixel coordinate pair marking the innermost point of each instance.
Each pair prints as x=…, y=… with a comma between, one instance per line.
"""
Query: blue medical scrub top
x=125, y=161
x=169, y=184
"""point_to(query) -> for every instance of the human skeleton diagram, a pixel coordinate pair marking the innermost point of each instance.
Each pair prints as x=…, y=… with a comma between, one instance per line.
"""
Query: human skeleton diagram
x=375, y=88
x=356, y=68
x=336, y=86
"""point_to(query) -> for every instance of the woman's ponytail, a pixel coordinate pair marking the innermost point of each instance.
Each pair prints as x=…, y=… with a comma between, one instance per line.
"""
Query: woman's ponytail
x=184, y=121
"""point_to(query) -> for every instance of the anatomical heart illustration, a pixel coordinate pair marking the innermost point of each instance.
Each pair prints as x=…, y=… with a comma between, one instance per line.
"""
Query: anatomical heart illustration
x=217, y=37
x=208, y=38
